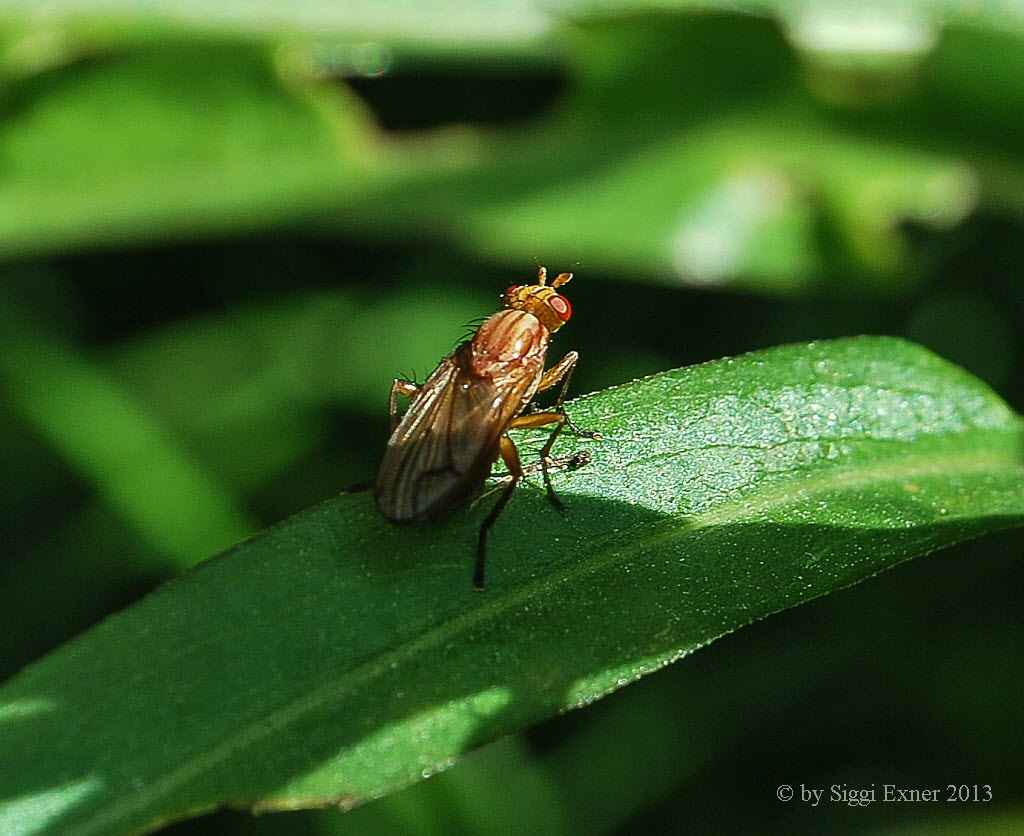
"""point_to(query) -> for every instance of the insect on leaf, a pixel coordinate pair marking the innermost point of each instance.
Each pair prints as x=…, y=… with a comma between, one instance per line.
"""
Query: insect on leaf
x=336, y=657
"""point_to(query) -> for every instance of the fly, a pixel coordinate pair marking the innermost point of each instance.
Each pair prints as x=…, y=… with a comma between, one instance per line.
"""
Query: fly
x=442, y=449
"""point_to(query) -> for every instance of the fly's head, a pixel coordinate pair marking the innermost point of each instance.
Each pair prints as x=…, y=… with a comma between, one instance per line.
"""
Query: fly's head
x=542, y=300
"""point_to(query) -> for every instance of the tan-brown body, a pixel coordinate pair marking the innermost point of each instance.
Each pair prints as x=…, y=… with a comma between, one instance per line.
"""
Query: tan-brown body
x=463, y=408
x=441, y=450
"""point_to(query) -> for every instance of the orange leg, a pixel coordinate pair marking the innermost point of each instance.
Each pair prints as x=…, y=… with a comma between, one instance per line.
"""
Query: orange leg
x=562, y=371
x=562, y=368
x=542, y=419
x=403, y=387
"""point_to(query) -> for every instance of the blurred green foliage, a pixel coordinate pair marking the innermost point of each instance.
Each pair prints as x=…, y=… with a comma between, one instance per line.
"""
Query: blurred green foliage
x=223, y=233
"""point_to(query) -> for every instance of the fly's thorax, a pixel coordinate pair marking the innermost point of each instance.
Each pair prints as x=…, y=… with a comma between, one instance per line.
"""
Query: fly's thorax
x=543, y=301
x=509, y=337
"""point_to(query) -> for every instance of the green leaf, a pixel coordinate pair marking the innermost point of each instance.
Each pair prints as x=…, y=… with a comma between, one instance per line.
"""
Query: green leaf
x=335, y=658
x=132, y=458
x=121, y=149
x=438, y=24
x=689, y=149
x=431, y=26
x=759, y=151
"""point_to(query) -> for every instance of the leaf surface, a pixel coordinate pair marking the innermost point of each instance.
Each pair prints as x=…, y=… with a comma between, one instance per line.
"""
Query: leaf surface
x=335, y=658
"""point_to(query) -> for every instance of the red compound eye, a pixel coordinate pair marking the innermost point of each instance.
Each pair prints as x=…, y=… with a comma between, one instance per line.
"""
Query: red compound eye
x=512, y=291
x=560, y=305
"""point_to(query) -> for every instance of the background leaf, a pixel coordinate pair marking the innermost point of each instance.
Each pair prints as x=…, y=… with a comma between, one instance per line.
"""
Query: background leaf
x=335, y=657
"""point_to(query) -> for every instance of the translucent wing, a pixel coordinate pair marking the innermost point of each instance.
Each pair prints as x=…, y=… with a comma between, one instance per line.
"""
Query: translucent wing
x=445, y=444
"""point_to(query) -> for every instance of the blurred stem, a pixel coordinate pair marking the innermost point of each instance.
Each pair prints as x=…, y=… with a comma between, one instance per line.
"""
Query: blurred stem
x=116, y=444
